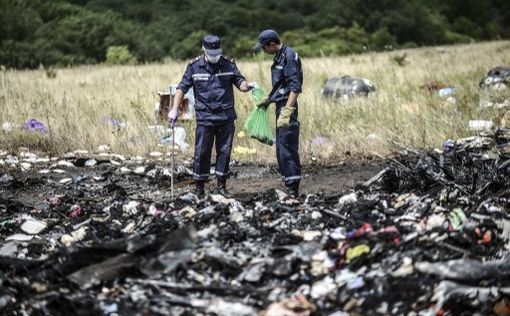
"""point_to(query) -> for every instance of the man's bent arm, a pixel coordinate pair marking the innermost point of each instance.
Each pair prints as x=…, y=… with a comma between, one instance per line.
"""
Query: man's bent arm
x=291, y=101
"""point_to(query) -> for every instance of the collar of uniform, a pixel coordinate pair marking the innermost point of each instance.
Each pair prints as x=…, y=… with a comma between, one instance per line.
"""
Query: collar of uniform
x=281, y=52
x=202, y=61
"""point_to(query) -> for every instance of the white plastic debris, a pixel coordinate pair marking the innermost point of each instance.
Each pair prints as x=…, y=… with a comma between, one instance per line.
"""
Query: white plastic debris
x=218, y=198
x=338, y=233
x=12, y=160
x=58, y=171
x=156, y=154
x=77, y=235
x=6, y=178
x=236, y=216
x=323, y=287
x=221, y=307
x=131, y=208
x=33, y=226
x=187, y=212
x=405, y=269
x=139, y=170
x=435, y=220
x=9, y=249
x=180, y=139
x=66, y=180
x=90, y=162
x=124, y=170
x=7, y=126
x=20, y=237
x=154, y=211
x=27, y=154
x=130, y=227
x=480, y=125
x=166, y=172
x=25, y=166
x=65, y=163
x=281, y=195
x=115, y=162
x=347, y=199
x=103, y=148
x=316, y=215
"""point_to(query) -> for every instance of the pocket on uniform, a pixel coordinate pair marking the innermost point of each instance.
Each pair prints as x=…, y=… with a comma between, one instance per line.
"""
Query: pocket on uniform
x=200, y=85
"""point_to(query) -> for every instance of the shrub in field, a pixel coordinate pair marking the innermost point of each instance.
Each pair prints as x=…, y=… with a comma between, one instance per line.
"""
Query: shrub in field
x=119, y=55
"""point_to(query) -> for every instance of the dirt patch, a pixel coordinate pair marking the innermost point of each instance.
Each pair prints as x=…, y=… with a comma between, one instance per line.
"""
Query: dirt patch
x=30, y=188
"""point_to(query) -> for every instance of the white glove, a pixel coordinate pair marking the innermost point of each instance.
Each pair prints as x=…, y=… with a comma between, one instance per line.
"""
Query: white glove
x=251, y=85
x=172, y=116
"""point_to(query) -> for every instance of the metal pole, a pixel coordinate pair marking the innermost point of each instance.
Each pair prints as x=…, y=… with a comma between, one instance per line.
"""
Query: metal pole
x=173, y=161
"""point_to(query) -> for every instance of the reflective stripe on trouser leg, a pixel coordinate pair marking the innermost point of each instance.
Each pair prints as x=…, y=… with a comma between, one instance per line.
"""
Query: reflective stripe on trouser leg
x=287, y=153
x=204, y=137
x=224, y=135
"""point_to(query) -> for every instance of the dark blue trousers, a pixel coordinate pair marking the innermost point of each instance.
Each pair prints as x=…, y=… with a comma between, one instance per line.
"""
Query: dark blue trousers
x=205, y=136
x=287, y=150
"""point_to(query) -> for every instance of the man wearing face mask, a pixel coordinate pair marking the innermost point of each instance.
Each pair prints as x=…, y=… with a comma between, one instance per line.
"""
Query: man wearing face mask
x=287, y=81
x=212, y=77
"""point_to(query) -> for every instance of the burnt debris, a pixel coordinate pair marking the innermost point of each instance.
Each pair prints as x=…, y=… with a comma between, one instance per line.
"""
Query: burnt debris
x=426, y=235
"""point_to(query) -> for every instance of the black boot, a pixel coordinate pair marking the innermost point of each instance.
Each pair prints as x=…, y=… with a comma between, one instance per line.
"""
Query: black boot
x=221, y=188
x=292, y=190
x=199, y=188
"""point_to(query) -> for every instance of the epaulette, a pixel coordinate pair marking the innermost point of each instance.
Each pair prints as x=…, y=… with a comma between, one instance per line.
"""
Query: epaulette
x=229, y=59
x=194, y=60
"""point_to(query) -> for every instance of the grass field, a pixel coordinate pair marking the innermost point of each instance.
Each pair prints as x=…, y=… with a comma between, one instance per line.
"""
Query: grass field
x=74, y=102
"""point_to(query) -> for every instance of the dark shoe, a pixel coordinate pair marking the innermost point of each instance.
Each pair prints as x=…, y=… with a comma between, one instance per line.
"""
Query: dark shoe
x=221, y=188
x=199, y=189
x=293, y=191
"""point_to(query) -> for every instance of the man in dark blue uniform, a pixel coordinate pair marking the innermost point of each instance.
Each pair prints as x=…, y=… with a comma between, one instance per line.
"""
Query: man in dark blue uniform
x=212, y=77
x=287, y=81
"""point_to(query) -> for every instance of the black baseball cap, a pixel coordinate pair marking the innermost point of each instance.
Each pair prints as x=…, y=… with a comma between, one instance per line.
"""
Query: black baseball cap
x=266, y=37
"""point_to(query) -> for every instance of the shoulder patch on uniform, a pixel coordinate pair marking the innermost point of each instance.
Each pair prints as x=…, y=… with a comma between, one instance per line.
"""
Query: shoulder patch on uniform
x=229, y=59
x=194, y=60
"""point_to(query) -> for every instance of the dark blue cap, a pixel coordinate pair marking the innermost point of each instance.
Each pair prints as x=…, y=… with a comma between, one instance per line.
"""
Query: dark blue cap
x=212, y=45
x=266, y=37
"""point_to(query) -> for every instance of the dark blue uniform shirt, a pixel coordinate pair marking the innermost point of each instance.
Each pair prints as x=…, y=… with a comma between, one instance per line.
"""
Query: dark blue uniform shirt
x=286, y=73
x=213, y=88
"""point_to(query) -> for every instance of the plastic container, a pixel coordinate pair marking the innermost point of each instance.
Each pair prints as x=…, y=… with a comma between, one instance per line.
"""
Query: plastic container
x=480, y=125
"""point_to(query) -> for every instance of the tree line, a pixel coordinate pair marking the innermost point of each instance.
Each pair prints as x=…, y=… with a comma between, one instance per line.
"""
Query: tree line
x=73, y=32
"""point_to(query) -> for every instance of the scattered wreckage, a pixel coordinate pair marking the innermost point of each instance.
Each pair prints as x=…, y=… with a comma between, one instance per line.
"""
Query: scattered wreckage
x=346, y=87
x=495, y=88
x=496, y=78
x=427, y=235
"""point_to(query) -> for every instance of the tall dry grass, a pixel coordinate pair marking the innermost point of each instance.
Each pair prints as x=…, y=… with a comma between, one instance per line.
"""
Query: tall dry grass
x=73, y=103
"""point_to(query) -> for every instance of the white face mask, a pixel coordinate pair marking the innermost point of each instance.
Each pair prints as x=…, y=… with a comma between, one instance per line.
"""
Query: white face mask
x=212, y=60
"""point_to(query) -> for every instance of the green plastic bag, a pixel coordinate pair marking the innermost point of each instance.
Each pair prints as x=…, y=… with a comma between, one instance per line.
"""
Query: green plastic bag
x=257, y=123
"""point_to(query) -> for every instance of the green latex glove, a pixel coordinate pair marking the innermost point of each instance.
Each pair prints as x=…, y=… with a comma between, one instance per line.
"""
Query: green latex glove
x=284, y=118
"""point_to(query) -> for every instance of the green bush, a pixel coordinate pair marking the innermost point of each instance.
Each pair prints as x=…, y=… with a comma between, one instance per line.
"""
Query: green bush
x=119, y=55
x=382, y=39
